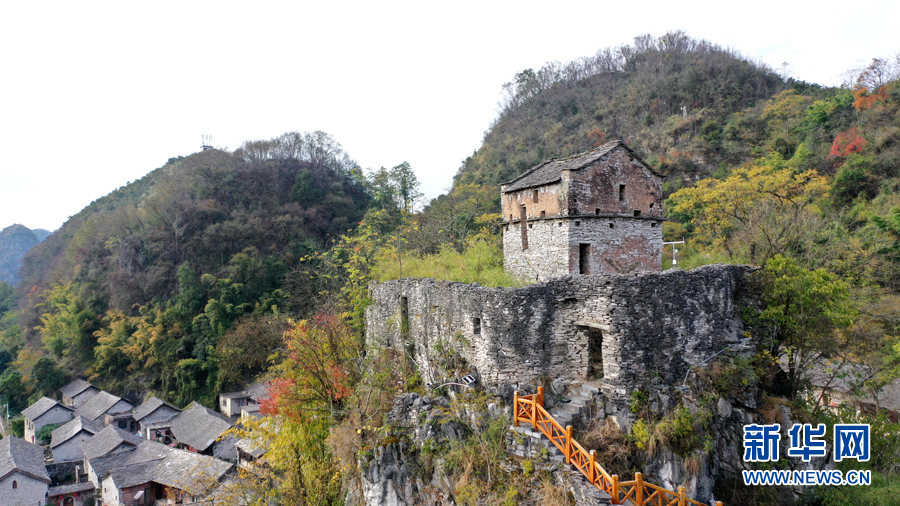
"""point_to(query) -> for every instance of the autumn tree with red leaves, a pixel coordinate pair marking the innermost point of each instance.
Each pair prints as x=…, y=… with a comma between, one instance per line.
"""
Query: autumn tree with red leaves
x=849, y=142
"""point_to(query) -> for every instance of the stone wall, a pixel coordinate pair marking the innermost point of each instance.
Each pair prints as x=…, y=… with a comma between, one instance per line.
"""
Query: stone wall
x=635, y=328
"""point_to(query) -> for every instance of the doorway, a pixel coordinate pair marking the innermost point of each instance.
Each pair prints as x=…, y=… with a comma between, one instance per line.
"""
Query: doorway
x=595, y=353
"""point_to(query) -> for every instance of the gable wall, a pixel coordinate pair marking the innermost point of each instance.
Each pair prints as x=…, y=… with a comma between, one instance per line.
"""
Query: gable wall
x=71, y=449
x=56, y=414
x=596, y=188
x=28, y=491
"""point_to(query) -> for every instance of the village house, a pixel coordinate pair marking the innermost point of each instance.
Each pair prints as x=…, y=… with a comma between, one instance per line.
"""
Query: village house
x=231, y=404
x=72, y=494
x=67, y=439
x=198, y=428
x=104, y=403
x=23, y=478
x=44, y=412
x=77, y=392
x=152, y=472
x=151, y=417
x=598, y=212
x=109, y=441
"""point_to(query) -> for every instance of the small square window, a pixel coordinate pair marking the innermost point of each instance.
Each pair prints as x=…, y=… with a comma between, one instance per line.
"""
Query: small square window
x=637, y=212
x=577, y=223
x=543, y=214
x=652, y=223
x=612, y=226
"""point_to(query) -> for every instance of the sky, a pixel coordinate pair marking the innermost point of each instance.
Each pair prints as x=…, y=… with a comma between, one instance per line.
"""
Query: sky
x=94, y=95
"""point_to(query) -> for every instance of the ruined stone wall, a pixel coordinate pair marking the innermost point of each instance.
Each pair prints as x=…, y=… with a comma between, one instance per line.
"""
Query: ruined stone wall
x=651, y=326
x=541, y=201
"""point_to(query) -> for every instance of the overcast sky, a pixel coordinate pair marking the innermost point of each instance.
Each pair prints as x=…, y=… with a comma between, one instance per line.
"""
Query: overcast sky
x=94, y=95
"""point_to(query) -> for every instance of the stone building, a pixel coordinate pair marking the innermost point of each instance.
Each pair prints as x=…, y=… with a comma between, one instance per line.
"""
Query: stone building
x=598, y=212
x=23, y=477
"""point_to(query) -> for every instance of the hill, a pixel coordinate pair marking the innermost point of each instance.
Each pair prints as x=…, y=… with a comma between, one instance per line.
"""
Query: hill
x=15, y=241
x=137, y=288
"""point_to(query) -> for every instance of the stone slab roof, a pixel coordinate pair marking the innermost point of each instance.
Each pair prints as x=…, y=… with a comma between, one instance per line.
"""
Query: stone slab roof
x=550, y=171
x=106, y=441
x=199, y=426
x=70, y=429
x=236, y=395
x=97, y=405
x=16, y=454
x=70, y=489
x=149, y=406
x=75, y=387
x=170, y=467
x=43, y=405
x=248, y=446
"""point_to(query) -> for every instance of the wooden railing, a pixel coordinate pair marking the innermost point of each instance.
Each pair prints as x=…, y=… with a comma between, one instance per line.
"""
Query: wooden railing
x=530, y=409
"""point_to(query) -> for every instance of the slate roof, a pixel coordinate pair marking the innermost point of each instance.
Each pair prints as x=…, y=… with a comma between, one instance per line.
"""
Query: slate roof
x=70, y=489
x=199, y=426
x=236, y=395
x=106, y=441
x=155, y=462
x=43, y=405
x=16, y=454
x=70, y=429
x=250, y=447
x=550, y=171
x=149, y=406
x=75, y=387
x=97, y=405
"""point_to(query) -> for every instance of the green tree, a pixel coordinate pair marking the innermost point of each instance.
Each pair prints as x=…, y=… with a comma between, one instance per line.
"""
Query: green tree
x=807, y=310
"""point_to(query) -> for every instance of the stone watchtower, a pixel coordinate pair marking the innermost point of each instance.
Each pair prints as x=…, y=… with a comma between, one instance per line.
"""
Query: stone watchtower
x=598, y=212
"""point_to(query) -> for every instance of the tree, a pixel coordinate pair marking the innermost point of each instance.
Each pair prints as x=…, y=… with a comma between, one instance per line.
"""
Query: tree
x=807, y=311
x=759, y=211
x=47, y=377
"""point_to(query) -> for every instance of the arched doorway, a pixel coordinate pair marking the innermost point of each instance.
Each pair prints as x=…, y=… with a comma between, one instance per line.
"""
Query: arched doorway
x=69, y=501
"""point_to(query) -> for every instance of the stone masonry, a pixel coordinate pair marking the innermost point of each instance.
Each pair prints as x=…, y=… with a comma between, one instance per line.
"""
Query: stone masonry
x=627, y=329
x=598, y=212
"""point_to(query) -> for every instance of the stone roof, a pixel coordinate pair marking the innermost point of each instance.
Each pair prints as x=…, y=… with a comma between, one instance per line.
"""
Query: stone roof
x=106, y=441
x=70, y=489
x=70, y=429
x=199, y=426
x=248, y=446
x=236, y=395
x=43, y=405
x=75, y=387
x=550, y=171
x=97, y=405
x=149, y=406
x=16, y=454
x=170, y=467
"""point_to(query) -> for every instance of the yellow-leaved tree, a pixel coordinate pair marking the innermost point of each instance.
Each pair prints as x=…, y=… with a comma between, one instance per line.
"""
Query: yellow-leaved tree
x=760, y=210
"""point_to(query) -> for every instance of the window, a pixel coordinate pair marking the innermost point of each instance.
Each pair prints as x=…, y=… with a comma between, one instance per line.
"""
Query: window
x=652, y=224
x=577, y=223
x=597, y=211
x=612, y=226
x=15, y=484
x=637, y=212
x=543, y=214
x=524, y=216
x=651, y=205
x=621, y=192
x=476, y=326
x=584, y=257
x=535, y=198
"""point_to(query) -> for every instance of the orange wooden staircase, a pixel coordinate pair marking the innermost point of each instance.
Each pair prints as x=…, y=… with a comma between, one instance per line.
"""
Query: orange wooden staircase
x=530, y=409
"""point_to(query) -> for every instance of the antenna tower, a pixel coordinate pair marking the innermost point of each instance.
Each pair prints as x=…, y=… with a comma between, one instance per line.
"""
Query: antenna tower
x=207, y=142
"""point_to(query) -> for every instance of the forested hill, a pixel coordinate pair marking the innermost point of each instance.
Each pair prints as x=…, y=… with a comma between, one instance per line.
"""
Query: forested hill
x=15, y=241
x=687, y=106
x=135, y=290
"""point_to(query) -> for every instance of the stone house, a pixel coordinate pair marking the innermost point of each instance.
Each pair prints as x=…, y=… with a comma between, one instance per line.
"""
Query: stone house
x=77, y=392
x=72, y=494
x=109, y=441
x=23, y=478
x=151, y=412
x=598, y=212
x=43, y=412
x=68, y=438
x=197, y=429
x=102, y=403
